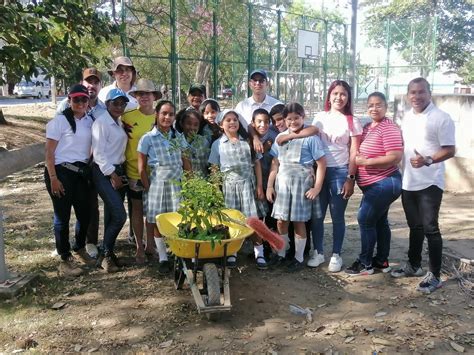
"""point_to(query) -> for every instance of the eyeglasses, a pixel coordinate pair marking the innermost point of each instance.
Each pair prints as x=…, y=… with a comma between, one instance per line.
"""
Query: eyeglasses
x=261, y=81
x=79, y=100
x=120, y=103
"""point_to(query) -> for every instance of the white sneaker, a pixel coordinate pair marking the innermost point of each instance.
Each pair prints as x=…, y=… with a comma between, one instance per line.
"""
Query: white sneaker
x=315, y=260
x=92, y=250
x=335, y=264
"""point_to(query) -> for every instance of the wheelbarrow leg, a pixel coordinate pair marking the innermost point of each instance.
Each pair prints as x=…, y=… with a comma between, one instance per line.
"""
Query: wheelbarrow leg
x=179, y=275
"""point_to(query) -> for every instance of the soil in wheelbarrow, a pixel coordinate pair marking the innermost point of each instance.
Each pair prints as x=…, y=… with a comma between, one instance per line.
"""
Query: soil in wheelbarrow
x=137, y=310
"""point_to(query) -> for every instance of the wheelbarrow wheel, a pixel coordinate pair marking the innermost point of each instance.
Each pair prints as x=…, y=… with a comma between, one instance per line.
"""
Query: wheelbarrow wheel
x=212, y=284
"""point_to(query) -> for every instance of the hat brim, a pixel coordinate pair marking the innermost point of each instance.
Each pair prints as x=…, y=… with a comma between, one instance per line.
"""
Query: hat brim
x=92, y=75
x=118, y=97
x=78, y=94
x=157, y=94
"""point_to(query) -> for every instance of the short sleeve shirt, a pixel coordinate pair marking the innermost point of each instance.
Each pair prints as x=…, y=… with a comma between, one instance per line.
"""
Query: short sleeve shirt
x=426, y=132
x=72, y=147
x=145, y=145
x=138, y=124
x=376, y=142
x=249, y=105
x=336, y=136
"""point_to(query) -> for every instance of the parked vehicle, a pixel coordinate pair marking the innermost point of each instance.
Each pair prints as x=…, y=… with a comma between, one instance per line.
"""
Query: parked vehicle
x=227, y=93
x=35, y=88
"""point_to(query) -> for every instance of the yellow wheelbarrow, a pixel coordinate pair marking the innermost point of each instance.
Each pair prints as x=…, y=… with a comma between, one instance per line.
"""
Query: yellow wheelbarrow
x=212, y=295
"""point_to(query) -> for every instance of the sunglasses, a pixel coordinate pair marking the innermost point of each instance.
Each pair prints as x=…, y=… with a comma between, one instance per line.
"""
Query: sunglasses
x=120, y=103
x=80, y=100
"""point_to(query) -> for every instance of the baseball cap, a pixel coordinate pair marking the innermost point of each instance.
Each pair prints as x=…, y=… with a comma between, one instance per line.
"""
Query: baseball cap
x=259, y=71
x=88, y=72
x=115, y=94
x=78, y=90
x=199, y=87
x=126, y=61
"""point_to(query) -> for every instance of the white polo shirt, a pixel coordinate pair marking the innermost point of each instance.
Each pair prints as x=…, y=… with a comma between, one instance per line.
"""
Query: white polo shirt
x=426, y=132
x=249, y=105
x=109, y=141
x=72, y=147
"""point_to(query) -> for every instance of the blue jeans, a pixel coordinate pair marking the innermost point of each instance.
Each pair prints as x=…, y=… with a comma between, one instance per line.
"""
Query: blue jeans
x=114, y=210
x=76, y=192
x=331, y=196
x=372, y=217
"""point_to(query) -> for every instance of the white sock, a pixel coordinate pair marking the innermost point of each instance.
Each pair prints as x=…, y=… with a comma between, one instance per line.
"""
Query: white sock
x=258, y=250
x=300, y=244
x=161, y=247
x=282, y=252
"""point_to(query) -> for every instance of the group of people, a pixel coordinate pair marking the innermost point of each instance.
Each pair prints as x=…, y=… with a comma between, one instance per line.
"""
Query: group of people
x=113, y=141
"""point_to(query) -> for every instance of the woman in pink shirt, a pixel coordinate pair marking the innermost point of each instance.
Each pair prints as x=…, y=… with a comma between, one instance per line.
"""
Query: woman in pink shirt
x=380, y=180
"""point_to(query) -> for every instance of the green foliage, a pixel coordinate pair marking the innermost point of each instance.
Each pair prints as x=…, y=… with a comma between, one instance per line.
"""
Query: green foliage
x=467, y=71
x=51, y=35
x=414, y=28
x=201, y=208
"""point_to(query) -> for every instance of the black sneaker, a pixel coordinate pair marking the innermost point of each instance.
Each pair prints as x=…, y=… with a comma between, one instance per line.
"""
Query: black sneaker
x=359, y=269
x=276, y=261
x=231, y=262
x=294, y=266
x=164, y=268
x=384, y=267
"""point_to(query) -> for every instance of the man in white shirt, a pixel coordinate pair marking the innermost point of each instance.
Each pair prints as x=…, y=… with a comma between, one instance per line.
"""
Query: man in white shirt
x=429, y=140
x=258, y=83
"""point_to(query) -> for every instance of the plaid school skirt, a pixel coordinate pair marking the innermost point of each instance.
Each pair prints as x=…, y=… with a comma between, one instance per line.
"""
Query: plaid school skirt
x=163, y=196
x=239, y=193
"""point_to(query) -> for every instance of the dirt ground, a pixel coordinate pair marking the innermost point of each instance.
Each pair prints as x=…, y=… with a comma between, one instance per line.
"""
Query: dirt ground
x=137, y=310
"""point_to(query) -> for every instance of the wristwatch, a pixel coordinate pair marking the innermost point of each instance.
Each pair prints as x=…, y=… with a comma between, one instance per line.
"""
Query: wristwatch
x=428, y=160
x=351, y=177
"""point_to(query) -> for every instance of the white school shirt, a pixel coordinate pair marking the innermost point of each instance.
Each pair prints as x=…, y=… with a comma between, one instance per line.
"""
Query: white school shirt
x=335, y=134
x=426, y=132
x=249, y=105
x=94, y=111
x=109, y=141
x=72, y=147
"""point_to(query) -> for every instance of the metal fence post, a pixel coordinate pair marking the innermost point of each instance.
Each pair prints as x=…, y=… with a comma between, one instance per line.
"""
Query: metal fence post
x=325, y=60
x=173, y=49
x=249, y=49
x=278, y=54
x=387, y=61
x=215, y=60
x=433, y=45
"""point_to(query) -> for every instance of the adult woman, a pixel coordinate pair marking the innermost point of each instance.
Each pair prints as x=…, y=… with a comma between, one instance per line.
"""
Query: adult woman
x=108, y=146
x=340, y=133
x=138, y=122
x=68, y=147
x=125, y=75
x=160, y=151
x=380, y=180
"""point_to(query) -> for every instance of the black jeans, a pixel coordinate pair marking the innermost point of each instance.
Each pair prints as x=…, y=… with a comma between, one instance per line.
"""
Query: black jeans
x=92, y=236
x=421, y=211
x=76, y=192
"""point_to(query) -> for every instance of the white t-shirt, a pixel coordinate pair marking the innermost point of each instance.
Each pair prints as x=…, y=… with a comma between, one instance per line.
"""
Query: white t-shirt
x=72, y=147
x=426, y=132
x=108, y=143
x=249, y=105
x=335, y=133
x=131, y=105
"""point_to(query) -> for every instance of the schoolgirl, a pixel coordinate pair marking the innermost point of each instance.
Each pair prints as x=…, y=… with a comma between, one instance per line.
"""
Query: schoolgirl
x=210, y=109
x=188, y=122
x=242, y=181
x=161, y=151
x=68, y=149
x=296, y=186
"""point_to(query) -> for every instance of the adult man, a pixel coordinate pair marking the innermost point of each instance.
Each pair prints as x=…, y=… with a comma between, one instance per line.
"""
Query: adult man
x=428, y=135
x=92, y=80
x=196, y=95
x=258, y=83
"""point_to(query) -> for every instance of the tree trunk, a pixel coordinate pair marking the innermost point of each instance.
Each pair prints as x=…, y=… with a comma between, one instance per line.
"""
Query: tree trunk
x=2, y=118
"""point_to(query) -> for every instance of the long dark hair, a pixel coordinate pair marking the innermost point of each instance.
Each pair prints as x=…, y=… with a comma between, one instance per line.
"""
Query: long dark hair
x=69, y=114
x=347, y=110
x=183, y=115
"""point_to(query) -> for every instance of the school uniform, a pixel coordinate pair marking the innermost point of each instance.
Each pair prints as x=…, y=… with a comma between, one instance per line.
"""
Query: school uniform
x=239, y=185
x=295, y=177
x=163, y=153
x=198, y=153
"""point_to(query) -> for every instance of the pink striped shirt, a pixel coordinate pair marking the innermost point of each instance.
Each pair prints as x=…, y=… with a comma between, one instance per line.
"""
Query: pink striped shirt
x=376, y=142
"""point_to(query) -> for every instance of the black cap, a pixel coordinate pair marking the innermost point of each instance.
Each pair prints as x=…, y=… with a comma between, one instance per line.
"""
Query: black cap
x=78, y=90
x=197, y=87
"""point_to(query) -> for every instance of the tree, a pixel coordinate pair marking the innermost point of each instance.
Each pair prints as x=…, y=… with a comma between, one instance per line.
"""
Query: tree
x=455, y=28
x=50, y=35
